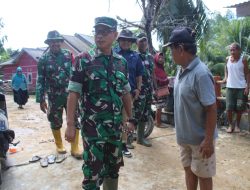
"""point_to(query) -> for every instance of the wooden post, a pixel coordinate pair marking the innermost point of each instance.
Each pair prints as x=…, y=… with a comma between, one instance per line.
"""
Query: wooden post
x=217, y=88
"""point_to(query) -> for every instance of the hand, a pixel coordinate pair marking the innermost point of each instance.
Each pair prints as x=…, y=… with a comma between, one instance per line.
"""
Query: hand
x=130, y=127
x=246, y=91
x=43, y=107
x=70, y=133
x=206, y=148
x=137, y=93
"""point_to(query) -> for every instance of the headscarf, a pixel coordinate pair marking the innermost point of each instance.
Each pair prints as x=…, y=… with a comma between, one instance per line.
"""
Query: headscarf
x=160, y=74
x=19, y=69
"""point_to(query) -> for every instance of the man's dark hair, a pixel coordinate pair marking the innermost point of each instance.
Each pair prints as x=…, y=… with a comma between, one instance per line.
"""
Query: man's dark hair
x=190, y=48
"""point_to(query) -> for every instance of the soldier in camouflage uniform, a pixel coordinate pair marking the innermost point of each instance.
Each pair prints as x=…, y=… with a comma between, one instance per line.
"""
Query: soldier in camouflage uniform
x=142, y=105
x=53, y=78
x=99, y=80
x=126, y=39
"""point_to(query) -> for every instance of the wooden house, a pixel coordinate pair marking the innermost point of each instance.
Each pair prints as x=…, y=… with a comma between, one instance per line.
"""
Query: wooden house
x=28, y=57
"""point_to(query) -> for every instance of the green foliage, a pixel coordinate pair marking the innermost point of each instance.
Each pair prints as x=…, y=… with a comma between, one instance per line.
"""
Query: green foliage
x=170, y=67
x=181, y=13
x=2, y=38
x=218, y=69
x=3, y=53
x=214, y=46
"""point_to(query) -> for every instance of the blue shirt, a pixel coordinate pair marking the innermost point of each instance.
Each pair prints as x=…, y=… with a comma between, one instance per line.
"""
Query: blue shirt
x=135, y=66
x=19, y=82
x=193, y=90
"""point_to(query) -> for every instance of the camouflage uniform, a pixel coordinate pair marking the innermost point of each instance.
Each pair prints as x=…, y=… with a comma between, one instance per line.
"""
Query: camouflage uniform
x=101, y=80
x=53, y=79
x=142, y=105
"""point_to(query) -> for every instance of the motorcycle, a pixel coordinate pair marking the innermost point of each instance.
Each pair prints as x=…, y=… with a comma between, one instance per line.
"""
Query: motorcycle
x=6, y=135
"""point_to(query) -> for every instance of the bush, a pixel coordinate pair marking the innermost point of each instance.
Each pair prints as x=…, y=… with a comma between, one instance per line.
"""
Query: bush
x=218, y=69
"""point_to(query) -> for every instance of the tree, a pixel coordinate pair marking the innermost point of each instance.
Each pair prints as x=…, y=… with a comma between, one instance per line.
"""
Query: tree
x=150, y=9
x=163, y=15
x=182, y=13
x=222, y=32
x=3, y=54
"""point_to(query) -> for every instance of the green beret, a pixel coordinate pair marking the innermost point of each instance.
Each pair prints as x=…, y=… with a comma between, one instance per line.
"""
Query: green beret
x=106, y=21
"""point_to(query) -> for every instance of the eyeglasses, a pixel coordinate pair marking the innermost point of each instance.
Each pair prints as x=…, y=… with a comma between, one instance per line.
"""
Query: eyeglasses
x=102, y=32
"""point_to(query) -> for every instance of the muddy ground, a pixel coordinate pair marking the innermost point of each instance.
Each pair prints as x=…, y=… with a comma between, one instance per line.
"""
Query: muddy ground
x=155, y=168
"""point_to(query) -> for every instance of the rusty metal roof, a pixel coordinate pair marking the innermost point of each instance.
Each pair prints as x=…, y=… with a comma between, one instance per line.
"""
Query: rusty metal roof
x=86, y=38
x=77, y=43
x=239, y=4
x=242, y=9
x=35, y=53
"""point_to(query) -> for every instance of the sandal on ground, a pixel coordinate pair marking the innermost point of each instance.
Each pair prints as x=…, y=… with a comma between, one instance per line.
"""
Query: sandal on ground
x=162, y=126
x=230, y=130
x=34, y=159
x=51, y=159
x=44, y=162
x=60, y=158
x=237, y=130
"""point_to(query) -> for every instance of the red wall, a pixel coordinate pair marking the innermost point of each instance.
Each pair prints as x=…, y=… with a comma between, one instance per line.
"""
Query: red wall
x=29, y=67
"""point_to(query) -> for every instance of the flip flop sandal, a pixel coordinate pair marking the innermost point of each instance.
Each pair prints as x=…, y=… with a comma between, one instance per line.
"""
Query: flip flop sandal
x=44, y=162
x=237, y=130
x=60, y=158
x=51, y=159
x=34, y=159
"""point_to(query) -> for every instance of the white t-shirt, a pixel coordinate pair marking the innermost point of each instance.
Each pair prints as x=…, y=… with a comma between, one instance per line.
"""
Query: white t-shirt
x=236, y=76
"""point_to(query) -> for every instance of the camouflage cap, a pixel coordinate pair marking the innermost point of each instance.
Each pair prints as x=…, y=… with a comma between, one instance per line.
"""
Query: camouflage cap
x=106, y=21
x=127, y=34
x=141, y=36
x=52, y=36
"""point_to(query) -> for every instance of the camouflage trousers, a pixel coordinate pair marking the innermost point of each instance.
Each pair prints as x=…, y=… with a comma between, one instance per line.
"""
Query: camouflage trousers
x=55, y=112
x=142, y=107
x=101, y=159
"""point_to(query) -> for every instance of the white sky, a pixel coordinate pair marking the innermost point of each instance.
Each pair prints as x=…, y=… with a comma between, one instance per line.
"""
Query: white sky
x=27, y=22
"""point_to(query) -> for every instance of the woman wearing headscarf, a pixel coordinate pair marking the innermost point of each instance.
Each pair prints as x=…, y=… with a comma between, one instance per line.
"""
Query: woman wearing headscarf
x=19, y=86
x=160, y=80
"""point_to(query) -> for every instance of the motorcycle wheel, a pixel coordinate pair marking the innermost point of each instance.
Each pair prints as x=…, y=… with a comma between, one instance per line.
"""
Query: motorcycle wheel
x=149, y=127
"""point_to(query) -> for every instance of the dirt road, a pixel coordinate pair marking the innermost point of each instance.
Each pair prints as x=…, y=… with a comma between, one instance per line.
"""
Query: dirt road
x=155, y=168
